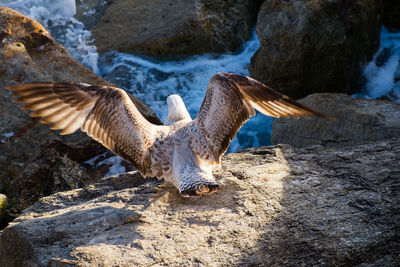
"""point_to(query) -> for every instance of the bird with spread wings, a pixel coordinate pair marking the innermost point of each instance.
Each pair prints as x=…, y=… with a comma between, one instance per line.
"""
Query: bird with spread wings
x=183, y=151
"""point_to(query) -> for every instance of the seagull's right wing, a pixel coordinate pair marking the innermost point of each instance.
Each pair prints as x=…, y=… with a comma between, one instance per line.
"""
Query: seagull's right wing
x=230, y=101
x=105, y=113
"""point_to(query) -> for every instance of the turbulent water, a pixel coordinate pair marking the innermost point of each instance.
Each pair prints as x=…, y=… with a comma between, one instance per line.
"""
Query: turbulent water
x=382, y=74
x=57, y=16
x=151, y=80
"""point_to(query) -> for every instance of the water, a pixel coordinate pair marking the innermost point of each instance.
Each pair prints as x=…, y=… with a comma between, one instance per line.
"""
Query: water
x=382, y=74
x=152, y=80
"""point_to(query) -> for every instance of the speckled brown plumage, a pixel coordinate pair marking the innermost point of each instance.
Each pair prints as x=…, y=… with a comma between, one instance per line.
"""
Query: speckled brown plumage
x=183, y=152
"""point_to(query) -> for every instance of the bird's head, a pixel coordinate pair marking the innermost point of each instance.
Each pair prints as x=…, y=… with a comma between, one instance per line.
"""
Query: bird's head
x=176, y=110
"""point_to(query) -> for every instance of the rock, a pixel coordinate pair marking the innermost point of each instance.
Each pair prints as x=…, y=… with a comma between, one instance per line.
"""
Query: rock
x=391, y=14
x=52, y=170
x=165, y=28
x=278, y=206
x=29, y=54
x=356, y=121
x=315, y=46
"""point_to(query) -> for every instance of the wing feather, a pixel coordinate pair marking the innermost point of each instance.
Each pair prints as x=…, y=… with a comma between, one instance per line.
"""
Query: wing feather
x=230, y=101
x=105, y=113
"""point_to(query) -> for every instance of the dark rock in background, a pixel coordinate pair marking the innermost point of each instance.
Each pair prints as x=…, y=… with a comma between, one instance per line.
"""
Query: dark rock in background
x=184, y=27
x=315, y=46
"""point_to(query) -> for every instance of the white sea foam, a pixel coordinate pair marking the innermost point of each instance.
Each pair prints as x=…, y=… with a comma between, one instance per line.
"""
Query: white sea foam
x=114, y=162
x=116, y=167
x=152, y=80
x=57, y=17
x=382, y=74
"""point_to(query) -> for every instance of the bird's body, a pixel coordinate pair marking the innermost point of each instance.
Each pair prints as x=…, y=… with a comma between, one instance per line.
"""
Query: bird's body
x=183, y=151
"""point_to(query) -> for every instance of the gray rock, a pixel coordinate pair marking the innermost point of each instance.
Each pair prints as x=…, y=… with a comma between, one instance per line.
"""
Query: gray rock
x=356, y=121
x=184, y=27
x=315, y=46
x=278, y=206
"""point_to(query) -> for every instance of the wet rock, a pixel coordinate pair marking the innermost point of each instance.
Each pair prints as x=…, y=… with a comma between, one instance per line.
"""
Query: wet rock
x=356, y=121
x=278, y=206
x=315, y=46
x=165, y=28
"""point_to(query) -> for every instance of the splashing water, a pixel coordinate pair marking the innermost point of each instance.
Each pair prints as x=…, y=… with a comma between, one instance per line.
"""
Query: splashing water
x=382, y=74
x=57, y=17
x=152, y=80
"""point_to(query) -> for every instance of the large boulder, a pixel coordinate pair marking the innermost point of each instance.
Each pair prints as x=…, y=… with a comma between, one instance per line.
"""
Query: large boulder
x=184, y=27
x=356, y=121
x=29, y=54
x=315, y=46
x=278, y=206
x=52, y=169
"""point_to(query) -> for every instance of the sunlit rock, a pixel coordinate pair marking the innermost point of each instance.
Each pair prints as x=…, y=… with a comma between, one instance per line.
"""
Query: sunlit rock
x=278, y=206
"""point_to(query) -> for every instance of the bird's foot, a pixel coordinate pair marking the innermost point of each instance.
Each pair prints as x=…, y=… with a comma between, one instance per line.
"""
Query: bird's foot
x=200, y=189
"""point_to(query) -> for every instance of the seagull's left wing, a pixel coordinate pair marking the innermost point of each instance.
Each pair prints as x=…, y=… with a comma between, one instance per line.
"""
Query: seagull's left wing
x=230, y=101
x=105, y=113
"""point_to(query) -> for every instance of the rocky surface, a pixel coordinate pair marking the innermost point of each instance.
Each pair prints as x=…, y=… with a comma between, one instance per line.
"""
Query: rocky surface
x=278, y=206
x=165, y=28
x=52, y=170
x=315, y=46
x=391, y=14
x=356, y=121
x=29, y=54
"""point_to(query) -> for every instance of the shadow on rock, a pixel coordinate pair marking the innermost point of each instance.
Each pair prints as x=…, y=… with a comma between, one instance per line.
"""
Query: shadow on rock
x=277, y=206
x=338, y=208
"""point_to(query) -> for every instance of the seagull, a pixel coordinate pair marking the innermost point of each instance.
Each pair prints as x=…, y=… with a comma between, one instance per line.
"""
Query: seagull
x=183, y=151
